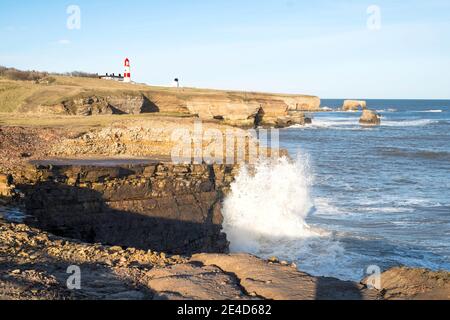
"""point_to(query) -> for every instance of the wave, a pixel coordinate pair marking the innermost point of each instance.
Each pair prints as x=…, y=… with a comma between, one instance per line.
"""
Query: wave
x=407, y=123
x=387, y=110
x=265, y=214
x=430, y=111
x=332, y=122
x=353, y=123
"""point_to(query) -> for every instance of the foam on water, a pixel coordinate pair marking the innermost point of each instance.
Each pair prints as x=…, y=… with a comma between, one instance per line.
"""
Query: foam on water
x=430, y=111
x=407, y=123
x=266, y=212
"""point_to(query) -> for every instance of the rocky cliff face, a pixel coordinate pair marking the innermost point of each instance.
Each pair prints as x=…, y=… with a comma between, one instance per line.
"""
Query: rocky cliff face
x=248, y=110
x=240, y=109
x=97, y=105
x=158, y=206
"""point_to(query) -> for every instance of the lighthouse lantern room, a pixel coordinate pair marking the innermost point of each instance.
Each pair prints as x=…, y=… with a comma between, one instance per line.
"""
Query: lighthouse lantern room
x=127, y=72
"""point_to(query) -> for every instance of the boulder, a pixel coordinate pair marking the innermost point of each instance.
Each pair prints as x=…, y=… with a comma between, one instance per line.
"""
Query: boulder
x=370, y=117
x=293, y=118
x=354, y=105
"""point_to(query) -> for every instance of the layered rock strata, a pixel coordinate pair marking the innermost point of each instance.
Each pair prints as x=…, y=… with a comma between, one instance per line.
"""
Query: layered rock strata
x=159, y=206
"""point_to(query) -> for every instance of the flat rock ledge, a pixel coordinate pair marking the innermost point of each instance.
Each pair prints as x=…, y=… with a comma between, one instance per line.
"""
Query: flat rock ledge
x=33, y=266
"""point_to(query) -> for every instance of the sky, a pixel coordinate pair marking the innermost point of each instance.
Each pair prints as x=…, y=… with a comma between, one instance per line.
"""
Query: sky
x=358, y=49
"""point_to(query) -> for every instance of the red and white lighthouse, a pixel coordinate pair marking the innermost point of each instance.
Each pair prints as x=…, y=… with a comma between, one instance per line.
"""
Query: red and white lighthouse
x=127, y=72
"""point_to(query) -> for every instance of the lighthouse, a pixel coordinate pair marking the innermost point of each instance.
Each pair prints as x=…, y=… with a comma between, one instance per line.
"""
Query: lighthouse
x=127, y=72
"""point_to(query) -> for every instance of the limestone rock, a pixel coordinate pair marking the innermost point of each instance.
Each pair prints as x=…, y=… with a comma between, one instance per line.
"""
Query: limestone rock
x=420, y=284
x=354, y=105
x=232, y=111
x=104, y=105
x=370, y=117
x=248, y=110
x=279, y=282
x=190, y=282
x=302, y=103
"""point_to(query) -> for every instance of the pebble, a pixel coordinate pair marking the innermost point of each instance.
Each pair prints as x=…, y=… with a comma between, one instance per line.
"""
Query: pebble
x=274, y=260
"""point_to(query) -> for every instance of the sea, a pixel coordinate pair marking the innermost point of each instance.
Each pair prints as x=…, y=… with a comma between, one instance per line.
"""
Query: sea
x=351, y=199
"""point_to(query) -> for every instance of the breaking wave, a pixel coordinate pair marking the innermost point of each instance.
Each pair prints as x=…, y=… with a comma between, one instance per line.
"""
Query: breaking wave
x=265, y=214
x=353, y=123
x=430, y=111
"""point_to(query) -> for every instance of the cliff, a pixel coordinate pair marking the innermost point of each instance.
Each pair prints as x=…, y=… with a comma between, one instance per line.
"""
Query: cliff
x=86, y=96
x=146, y=205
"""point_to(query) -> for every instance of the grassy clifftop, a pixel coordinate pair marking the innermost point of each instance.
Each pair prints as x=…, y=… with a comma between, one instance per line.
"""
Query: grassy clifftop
x=22, y=96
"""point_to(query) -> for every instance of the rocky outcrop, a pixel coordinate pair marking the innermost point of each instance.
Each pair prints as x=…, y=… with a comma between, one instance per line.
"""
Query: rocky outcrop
x=276, y=281
x=293, y=118
x=232, y=111
x=6, y=188
x=98, y=105
x=417, y=284
x=354, y=105
x=302, y=103
x=158, y=206
x=34, y=264
x=251, y=109
x=370, y=118
x=233, y=108
x=155, y=138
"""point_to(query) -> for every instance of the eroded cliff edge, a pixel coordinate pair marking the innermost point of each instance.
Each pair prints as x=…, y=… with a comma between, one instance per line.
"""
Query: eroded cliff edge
x=148, y=205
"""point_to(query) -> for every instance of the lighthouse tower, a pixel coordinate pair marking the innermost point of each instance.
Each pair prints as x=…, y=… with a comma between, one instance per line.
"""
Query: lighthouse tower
x=127, y=73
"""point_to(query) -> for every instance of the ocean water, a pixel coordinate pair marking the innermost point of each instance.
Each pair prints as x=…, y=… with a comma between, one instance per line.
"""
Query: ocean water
x=355, y=197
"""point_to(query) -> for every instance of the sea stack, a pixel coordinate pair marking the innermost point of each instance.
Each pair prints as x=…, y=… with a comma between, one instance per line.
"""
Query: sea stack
x=354, y=105
x=370, y=118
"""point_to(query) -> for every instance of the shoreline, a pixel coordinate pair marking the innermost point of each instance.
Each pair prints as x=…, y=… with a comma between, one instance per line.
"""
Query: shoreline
x=51, y=277
x=61, y=144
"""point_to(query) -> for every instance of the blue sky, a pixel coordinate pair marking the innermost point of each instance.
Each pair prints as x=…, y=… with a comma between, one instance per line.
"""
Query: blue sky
x=319, y=47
